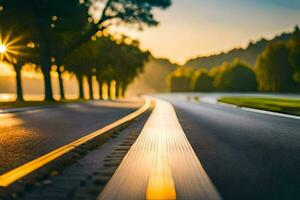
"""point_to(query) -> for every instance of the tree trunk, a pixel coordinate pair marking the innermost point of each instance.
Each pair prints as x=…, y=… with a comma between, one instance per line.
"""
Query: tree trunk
x=46, y=68
x=90, y=81
x=100, y=89
x=120, y=90
x=61, y=85
x=123, y=90
x=108, y=90
x=117, y=89
x=19, y=83
x=48, y=86
x=80, y=84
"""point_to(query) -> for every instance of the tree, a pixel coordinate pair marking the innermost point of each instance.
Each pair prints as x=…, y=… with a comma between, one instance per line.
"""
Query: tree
x=119, y=60
x=202, y=81
x=273, y=69
x=294, y=57
x=42, y=20
x=82, y=61
x=235, y=77
x=180, y=79
x=109, y=60
x=46, y=20
x=129, y=64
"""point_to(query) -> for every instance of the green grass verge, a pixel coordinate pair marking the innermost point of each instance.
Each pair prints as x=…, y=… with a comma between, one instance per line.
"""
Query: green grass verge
x=24, y=104
x=282, y=105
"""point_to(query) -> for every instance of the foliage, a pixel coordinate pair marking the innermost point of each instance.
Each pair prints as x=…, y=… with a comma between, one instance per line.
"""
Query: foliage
x=108, y=59
x=294, y=56
x=248, y=54
x=202, y=81
x=180, y=79
x=57, y=27
x=273, y=69
x=236, y=77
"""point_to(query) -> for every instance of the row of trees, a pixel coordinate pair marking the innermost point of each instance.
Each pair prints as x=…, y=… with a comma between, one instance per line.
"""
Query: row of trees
x=109, y=61
x=278, y=67
x=66, y=32
x=229, y=77
x=277, y=70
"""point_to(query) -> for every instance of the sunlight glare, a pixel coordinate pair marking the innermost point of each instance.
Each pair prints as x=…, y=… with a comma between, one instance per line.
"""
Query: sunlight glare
x=2, y=48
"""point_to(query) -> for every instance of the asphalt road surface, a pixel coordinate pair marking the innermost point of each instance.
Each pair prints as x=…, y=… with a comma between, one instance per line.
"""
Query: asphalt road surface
x=247, y=155
x=27, y=135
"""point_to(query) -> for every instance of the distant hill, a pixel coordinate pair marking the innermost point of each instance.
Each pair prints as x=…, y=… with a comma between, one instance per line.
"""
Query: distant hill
x=249, y=54
x=152, y=80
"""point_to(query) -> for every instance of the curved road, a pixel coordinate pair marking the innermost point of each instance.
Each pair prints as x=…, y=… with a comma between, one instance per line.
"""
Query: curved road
x=27, y=135
x=247, y=155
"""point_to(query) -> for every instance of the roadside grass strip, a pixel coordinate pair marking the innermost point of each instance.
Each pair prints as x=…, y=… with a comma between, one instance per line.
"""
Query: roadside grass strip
x=15, y=174
x=161, y=164
x=281, y=105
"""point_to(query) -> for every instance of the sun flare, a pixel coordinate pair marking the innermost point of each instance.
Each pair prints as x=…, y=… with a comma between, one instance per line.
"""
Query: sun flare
x=2, y=48
x=10, y=47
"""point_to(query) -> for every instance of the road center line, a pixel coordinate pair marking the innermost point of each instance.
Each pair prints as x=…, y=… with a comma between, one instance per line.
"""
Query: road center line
x=161, y=164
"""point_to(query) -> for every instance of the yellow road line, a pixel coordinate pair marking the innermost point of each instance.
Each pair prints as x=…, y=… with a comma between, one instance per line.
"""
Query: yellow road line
x=161, y=164
x=19, y=172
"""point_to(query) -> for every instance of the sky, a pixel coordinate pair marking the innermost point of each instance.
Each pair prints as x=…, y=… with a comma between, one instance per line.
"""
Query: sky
x=191, y=28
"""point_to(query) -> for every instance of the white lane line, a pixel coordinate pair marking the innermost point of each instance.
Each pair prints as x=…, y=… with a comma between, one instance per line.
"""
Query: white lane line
x=270, y=113
x=161, y=164
x=213, y=100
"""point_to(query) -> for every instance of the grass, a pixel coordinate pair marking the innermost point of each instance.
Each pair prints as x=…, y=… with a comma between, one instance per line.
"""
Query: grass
x=24, y=104
x=282, y=105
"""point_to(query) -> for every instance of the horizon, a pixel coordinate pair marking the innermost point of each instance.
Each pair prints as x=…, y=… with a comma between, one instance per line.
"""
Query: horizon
x=201, y=22
x=225, y=50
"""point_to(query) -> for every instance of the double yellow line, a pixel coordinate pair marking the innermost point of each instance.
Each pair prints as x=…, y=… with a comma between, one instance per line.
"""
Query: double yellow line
x=21, y=171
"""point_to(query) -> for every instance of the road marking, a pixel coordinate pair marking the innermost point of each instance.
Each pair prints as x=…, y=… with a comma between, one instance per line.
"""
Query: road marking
x=161, y=164
x=269, y=113
x=21, y=171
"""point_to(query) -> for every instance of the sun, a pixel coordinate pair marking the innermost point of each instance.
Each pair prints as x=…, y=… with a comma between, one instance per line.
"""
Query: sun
x=10, y=48
x=2, y=48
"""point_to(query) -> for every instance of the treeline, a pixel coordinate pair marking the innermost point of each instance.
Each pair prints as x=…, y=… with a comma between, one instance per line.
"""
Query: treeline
x=277, y=69
x=248, y=54
x=72, y=35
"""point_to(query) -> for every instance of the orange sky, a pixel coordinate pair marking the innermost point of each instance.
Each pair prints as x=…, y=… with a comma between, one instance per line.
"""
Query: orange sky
x=202, y=27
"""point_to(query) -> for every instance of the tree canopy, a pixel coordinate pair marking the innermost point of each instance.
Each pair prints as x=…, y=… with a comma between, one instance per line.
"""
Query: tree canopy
x=108, y=59
x=57, y=27
x=228, y=77
x=273, y=69
x=202, y=81
x=236, y=77
x=294, y=56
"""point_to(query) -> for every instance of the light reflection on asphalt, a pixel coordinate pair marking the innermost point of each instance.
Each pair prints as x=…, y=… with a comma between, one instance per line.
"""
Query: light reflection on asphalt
x=161, y=164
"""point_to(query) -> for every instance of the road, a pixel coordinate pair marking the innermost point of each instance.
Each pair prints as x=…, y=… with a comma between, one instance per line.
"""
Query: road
x=246, y=155
x=235, y=153
x=30, y=134
x=161, y=164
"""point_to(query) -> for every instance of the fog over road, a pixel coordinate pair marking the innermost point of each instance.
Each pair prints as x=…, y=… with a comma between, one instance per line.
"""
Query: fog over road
x=27, y=135
x=247, y=155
